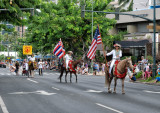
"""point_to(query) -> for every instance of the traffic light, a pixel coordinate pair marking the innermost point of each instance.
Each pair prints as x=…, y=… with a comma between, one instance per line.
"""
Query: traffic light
x=83, y=11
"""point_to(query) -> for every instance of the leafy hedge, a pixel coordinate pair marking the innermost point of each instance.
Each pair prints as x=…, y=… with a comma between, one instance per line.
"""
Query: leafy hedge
x=138, y=75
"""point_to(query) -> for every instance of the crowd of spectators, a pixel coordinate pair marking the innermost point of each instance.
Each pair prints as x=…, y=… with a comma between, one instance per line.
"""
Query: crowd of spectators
x=98, y=68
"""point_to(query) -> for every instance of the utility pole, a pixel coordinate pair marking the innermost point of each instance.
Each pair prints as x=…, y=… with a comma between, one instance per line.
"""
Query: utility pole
x=154, y=39
x=92, y=38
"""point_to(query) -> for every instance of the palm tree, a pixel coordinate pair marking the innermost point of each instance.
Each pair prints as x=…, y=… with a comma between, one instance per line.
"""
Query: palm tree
x=119, y=5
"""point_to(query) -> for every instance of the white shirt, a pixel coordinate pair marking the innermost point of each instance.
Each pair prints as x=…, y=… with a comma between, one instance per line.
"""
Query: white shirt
x=26, y=66
x=67, y=57
x=113, y=52
x=31, y=58
x=40, y=64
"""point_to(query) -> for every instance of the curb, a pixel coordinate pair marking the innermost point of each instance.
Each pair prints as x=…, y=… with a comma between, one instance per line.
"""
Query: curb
x=148, y=83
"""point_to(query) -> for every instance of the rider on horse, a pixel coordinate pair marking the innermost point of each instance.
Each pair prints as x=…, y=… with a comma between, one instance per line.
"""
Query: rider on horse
x=117, y=53
x=67, y=58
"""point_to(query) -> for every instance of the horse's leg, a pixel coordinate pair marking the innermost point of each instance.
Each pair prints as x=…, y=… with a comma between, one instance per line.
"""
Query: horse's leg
x=70, y=77
x=66, y=76
x=60, y=77
x=109, y=84
x=76, y=76
x=123, y=92
x=115, y=84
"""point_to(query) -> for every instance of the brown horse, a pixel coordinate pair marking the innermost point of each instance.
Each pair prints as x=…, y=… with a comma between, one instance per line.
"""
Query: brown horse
x=121, y=70
x=63, y=68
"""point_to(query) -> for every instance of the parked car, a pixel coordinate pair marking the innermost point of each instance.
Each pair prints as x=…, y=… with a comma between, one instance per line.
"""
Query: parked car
x=2, y=65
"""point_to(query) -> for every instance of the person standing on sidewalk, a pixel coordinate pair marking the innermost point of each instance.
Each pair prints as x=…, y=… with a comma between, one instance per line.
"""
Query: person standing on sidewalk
x=26, y=68
x=17, y=67
x=40, y=66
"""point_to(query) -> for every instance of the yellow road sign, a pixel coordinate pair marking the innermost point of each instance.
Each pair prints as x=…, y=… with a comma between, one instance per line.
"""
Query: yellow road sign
x=27, y=50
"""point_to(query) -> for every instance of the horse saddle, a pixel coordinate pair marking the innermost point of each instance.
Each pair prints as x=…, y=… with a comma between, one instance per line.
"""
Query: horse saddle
x=70, y=66
x=115, y=71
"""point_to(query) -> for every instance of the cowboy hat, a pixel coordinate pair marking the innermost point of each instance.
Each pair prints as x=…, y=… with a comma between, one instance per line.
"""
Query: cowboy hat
x=70, y=52
x=117, y=45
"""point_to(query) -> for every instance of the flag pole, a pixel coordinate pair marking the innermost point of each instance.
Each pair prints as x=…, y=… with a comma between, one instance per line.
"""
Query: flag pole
x=104, y=53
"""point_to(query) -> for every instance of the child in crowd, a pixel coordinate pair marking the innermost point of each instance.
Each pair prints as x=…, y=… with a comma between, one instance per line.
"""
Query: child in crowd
x=157, y=79
x=147, y=71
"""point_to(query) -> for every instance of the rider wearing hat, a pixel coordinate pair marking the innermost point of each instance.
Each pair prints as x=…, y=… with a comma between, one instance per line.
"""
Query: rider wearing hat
x=117, y=53
x=67, y=58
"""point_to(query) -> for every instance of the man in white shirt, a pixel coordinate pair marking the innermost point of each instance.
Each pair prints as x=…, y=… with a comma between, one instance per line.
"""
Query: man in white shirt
x=67, y=58
x=26, y=68
x=40, y=66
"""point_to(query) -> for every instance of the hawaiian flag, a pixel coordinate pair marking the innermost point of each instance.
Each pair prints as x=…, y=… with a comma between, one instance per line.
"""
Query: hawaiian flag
x=59, y=50
x=96, y=40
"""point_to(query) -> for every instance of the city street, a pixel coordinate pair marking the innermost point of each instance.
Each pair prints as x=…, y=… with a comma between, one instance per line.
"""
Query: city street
x=44, y=94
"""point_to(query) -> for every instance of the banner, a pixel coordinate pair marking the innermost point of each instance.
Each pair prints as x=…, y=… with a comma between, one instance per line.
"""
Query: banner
x=27, y=50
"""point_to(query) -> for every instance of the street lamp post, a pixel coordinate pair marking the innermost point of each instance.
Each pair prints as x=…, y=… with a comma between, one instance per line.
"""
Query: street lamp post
x=92, y=38
x=154, y=39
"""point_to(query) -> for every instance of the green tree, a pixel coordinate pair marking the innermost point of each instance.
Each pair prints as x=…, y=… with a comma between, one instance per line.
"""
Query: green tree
x=10, y=11
x=63, y=20
x=122, y=4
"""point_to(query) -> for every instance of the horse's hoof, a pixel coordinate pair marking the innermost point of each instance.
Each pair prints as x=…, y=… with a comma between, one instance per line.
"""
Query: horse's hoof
x=109, y=91
x=123, y=93
x=114, y=92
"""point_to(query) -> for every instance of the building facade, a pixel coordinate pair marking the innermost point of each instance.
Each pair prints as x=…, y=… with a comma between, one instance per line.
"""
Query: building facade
x=134, y=43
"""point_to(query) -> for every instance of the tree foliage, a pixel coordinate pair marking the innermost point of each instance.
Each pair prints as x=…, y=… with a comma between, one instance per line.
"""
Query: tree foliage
x=63, y=20
x=10, y=11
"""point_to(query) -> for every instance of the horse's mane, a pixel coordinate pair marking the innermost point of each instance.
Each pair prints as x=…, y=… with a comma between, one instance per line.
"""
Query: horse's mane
x=74, y=63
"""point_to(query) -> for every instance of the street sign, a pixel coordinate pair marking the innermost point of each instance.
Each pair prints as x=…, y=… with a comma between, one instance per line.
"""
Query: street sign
x=27, y=50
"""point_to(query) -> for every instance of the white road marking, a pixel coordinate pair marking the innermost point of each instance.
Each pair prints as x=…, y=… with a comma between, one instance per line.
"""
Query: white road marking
x=3, y=106
x=32, y=80
x=151, y=92
x=109, y=108
x=93, y=91
x=41, y=92
x=8, y=74
x=55, y=88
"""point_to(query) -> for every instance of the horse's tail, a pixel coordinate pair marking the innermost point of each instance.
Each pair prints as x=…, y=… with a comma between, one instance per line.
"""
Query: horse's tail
x=106, y=76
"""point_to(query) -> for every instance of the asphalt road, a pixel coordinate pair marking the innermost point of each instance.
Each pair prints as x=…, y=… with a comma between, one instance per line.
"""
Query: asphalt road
x=44, y=94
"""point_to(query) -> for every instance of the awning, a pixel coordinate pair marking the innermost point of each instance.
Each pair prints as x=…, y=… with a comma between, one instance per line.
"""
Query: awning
x=129, y=44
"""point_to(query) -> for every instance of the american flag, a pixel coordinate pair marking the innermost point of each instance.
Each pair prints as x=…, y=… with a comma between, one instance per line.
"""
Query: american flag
x=96, y=40
x=59, y=50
